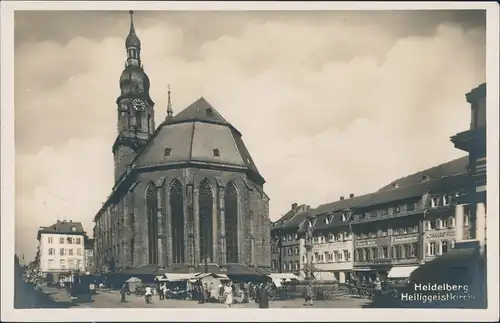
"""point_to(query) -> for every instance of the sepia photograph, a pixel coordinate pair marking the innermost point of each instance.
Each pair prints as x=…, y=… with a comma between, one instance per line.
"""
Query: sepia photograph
x=186, y=156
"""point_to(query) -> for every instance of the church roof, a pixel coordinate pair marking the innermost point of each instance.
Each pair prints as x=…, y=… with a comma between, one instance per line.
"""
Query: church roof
x=197, y=134
x=200, y=110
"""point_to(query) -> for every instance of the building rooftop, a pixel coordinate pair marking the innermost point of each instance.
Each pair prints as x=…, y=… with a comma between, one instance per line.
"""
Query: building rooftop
x=455, y=166
x=62, y=227
x=441, y=178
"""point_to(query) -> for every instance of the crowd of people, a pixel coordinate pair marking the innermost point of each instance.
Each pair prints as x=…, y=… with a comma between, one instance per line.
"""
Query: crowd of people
x=229, y=293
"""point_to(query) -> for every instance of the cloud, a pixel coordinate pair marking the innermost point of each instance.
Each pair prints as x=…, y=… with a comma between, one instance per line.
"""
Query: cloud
x=326, y=110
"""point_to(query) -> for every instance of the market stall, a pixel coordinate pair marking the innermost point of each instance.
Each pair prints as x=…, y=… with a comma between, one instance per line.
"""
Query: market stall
x=133, y=283
x=213, y=283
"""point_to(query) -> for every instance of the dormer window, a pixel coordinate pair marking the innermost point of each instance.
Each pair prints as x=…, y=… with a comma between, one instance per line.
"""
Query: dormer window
x=167, y=152
x=344, y=217
x=327, y=220
x=397, y=210
x=311, y=223
x=73, y=229
x=209, y=112
x=446, y=200
x=434, y=201
x=216, y=152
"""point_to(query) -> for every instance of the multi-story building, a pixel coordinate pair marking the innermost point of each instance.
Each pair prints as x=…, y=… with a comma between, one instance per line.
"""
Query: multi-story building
x=473, y=141
x=407, y=223
x=396, y=230
x=332, y=240
x=89, y=255
x=61, y=248
x=287, y=245
x=391, y=231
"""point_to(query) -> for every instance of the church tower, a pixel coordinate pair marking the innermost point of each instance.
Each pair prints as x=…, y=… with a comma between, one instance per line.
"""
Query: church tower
x=135, y=107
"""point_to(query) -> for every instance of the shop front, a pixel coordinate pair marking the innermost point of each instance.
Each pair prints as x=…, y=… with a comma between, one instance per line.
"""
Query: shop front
x=438, y=242
x=339, y=271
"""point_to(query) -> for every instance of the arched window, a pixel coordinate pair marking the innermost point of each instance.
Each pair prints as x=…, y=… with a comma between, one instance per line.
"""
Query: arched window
x=231, y=223
x=152, y=214
x=177, y=221
x=206, y=202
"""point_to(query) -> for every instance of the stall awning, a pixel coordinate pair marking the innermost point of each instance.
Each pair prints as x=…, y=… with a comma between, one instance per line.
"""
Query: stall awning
x=283, y=276
x=324, y=275
x=179, y=277
x=277, y=282
x=401, y=272
x=203, y=275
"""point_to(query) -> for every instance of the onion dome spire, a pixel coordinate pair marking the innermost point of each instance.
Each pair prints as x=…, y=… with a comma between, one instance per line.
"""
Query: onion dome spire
x=132, y=39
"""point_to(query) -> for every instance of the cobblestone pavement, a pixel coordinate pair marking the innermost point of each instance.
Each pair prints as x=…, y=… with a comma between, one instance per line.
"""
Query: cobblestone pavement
x=111, y=299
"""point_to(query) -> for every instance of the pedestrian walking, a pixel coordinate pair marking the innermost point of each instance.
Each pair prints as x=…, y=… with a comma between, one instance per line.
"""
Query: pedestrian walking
x=378, y=288
x=309, y=293
x=263, y=296
x=123, y=292
x=160, y=291
x=228, y=295
x=206, y=294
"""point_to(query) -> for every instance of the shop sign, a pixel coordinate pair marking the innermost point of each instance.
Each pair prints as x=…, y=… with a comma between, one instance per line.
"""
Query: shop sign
x=366, y=243
x=405, y=239
x=441, y=234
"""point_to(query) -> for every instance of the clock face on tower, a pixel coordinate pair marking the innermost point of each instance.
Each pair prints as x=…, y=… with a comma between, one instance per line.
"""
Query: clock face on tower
x=138, y=104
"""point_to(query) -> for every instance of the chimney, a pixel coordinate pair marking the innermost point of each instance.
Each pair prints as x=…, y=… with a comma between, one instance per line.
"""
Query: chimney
x=58, y=221
x=341, y=198
x=351, y=195
x=294, y=206
x=308, y=208
x=70, y=221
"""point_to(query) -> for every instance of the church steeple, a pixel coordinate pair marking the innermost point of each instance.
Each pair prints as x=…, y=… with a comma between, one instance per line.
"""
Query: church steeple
x=135, y=107
x=133, y=45
x=170, y=111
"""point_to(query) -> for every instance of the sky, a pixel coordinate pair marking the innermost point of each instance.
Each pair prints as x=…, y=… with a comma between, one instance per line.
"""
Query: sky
x=329, y=103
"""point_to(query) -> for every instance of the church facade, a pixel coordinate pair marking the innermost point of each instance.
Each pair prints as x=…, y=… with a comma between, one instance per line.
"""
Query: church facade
x=187, y=193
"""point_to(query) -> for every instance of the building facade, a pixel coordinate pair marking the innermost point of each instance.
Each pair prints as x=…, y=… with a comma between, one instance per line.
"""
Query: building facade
x=61, y=248
x=397, y=230
x=473, y=141
x=186, y=194
x=408, y=222
x=287, y=240
x=386, y=233
x=89, y=255
x=332, y=245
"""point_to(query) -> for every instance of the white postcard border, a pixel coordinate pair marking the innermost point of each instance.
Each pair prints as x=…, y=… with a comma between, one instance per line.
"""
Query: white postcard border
x=295, y=315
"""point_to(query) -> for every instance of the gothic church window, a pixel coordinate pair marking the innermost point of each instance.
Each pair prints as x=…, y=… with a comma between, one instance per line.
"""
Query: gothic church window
x=206, y=202
x=152, y=213
x=231, y=223
x=167, y=151
x=177, y=221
